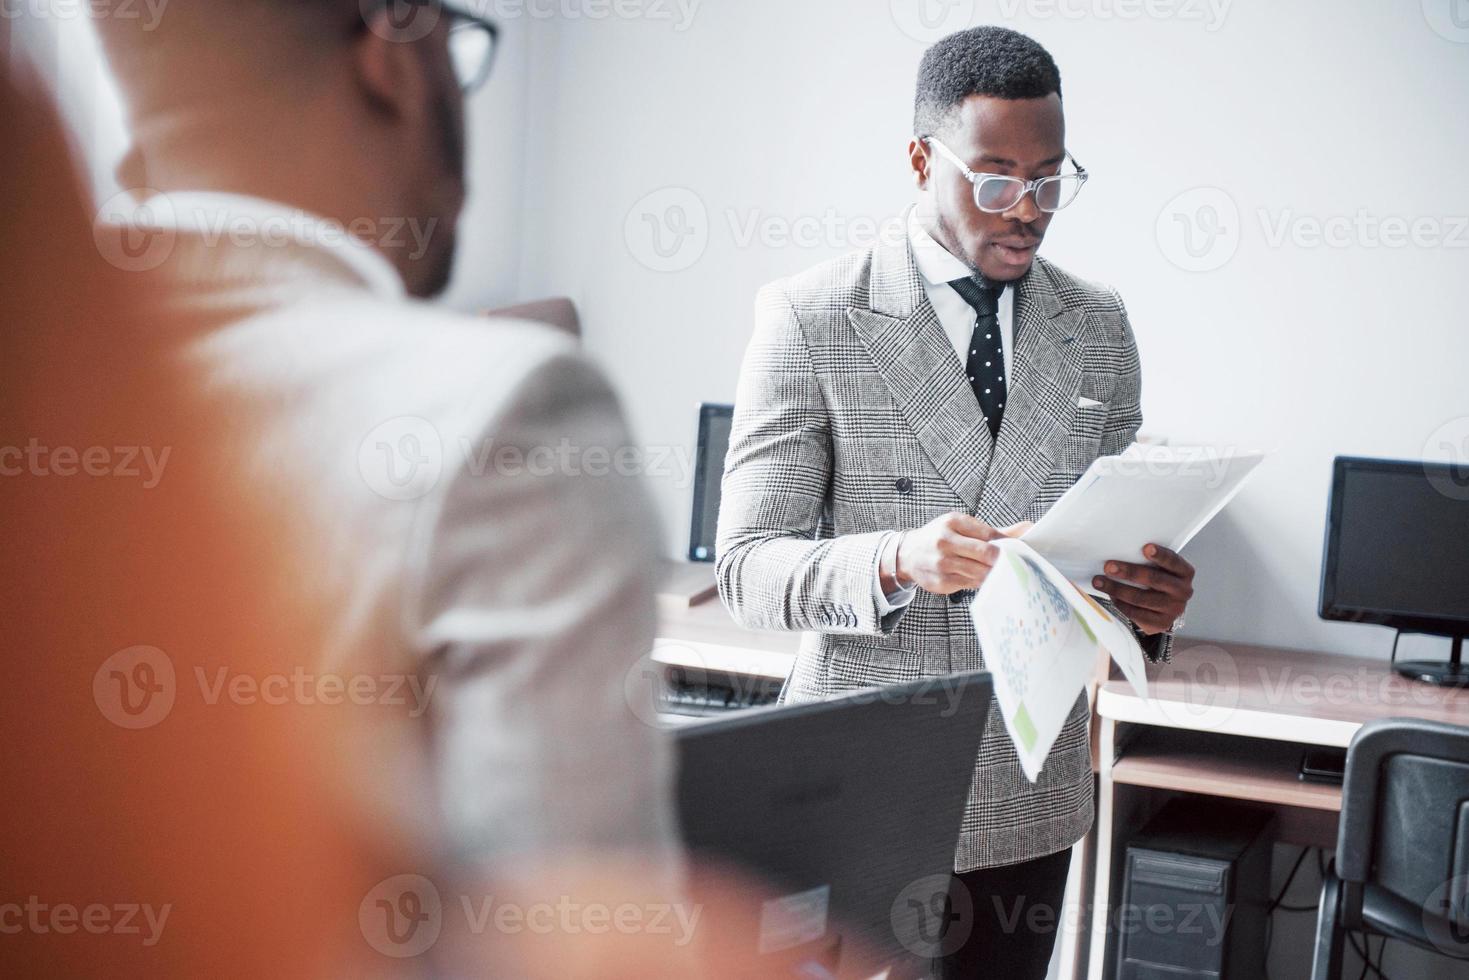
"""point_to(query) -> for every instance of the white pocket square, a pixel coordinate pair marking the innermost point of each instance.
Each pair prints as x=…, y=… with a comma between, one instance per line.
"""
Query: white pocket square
x=1088, y=403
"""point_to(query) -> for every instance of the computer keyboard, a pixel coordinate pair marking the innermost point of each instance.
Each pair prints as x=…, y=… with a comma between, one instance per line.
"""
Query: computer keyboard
x=700, y=693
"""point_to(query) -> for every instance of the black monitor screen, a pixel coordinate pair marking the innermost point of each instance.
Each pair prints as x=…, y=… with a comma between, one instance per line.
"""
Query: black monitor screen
x=714, y=421
x=1398, y=545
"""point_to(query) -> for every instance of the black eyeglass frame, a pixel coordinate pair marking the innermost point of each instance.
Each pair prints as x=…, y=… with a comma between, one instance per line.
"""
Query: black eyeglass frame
x=460, y=20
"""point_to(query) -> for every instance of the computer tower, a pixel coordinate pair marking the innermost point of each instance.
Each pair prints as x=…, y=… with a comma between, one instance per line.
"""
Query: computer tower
x=1196, y=884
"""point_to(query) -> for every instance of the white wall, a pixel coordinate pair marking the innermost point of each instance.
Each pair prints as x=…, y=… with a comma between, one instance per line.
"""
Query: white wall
x=773, y=111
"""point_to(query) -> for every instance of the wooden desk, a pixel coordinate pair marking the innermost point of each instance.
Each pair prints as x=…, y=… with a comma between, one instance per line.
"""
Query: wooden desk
x=704, y=637
x=1231, y=720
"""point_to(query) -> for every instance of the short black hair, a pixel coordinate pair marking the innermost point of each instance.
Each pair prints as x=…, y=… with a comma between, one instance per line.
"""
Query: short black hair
x=993, y=61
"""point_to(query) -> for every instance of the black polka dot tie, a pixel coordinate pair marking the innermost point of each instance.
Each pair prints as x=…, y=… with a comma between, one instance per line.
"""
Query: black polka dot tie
x=986, y=364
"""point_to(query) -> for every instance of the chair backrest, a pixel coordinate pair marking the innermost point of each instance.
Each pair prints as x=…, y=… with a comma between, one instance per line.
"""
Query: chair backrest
x=1405, y=814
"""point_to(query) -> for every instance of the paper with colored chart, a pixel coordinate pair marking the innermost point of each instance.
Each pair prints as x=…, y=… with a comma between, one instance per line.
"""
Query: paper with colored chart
x=1041, y=637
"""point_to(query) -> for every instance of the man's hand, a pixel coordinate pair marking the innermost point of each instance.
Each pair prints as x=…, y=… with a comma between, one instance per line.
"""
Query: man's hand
x=950, y=553
x=1159, y=592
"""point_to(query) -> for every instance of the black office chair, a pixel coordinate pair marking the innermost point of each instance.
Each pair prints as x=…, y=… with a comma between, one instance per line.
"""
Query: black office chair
x=1402, y=850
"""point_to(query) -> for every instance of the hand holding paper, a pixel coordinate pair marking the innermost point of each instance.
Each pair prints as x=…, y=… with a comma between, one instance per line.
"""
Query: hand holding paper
x=1041, y=633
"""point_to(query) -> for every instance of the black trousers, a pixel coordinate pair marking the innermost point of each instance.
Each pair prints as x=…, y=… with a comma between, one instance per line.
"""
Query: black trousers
x=1003, y=921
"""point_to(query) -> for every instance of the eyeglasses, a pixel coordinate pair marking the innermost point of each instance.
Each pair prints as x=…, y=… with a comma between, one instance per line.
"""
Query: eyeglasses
x=995, y=193
x=473, y=40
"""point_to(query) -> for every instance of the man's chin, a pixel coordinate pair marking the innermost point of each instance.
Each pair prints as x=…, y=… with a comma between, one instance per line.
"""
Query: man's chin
x=1003, y=264
x=431, y=273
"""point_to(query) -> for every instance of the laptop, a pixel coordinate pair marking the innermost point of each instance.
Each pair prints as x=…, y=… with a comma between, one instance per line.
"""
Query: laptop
x=849, y=810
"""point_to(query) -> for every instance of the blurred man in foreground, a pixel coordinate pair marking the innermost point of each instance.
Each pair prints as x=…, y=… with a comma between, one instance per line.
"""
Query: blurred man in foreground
x=445, y=483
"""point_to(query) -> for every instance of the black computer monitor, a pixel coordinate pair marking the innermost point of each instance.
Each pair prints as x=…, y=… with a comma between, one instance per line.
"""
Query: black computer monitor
x=850, y=810
x=1397, y=553
x=713, y=443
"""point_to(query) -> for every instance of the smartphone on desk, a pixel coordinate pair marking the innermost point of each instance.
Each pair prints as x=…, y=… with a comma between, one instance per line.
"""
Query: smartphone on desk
x=1323, y=765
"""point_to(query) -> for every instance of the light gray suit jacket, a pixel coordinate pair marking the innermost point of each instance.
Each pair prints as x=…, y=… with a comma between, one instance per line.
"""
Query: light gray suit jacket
x=853, y=418
x=446, y=482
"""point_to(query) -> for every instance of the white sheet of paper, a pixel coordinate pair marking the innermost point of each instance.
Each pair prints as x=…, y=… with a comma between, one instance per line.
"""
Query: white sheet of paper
x=1148, y=494
x=1041, y=638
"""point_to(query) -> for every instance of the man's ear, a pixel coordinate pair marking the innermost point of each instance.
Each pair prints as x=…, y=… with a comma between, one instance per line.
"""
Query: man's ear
x=389, y=69
x=918, y=159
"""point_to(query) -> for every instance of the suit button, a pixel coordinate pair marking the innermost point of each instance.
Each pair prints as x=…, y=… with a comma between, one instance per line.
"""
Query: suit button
x=961, y=596
x=904, y=485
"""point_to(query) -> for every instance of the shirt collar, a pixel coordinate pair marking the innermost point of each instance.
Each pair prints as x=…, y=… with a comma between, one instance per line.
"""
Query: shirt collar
x=219, y=215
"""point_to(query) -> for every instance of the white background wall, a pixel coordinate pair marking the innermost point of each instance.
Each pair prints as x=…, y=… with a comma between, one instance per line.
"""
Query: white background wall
x=772, y=111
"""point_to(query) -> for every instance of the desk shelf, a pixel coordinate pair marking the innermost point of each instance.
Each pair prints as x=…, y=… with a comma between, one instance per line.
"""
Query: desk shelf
x=1256, y=770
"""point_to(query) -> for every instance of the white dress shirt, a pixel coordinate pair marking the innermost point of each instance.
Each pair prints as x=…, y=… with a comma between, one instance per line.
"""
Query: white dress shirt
x=937, y=267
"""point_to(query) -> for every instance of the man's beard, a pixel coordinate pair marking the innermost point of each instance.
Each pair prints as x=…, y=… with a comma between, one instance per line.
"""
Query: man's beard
x=437, y=264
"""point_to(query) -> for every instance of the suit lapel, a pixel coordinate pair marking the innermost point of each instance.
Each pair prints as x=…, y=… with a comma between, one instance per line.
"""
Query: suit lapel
x=913, y=355
x=1045, y=377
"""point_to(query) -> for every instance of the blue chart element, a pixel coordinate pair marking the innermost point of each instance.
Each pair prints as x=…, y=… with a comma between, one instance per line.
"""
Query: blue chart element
x=1028, y=630
x=1058, y=601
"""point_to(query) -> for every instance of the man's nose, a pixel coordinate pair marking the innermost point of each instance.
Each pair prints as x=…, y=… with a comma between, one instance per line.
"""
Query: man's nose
x=1025, y=209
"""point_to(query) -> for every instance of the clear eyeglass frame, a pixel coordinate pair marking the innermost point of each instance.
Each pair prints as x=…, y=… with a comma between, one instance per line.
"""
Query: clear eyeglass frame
x=997, y=193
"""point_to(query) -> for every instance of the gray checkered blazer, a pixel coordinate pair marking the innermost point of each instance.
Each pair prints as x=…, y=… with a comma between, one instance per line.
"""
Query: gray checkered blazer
x=853, y=418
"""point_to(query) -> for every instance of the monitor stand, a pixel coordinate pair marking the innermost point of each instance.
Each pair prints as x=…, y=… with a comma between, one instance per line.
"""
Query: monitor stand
x=1450, y=673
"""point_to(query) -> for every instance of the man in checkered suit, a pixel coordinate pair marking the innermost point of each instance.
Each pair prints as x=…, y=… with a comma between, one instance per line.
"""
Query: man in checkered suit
x=901, y=407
